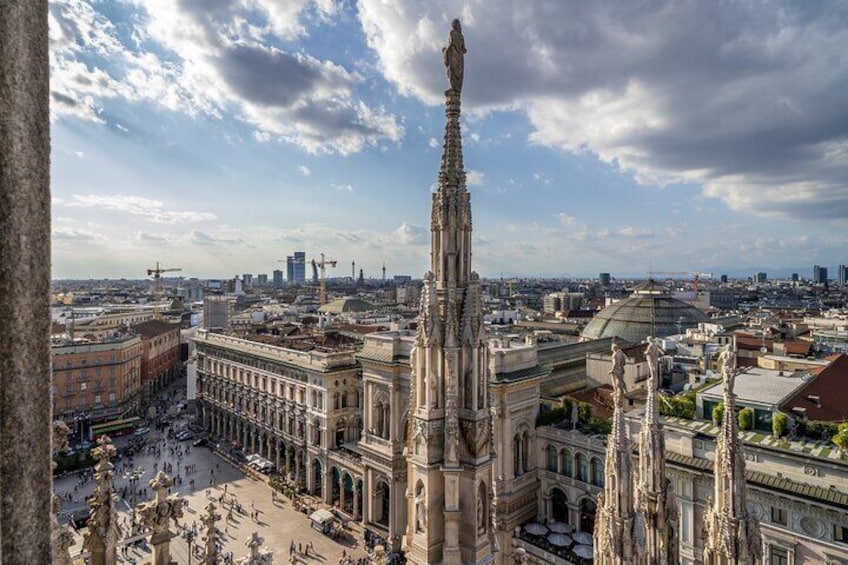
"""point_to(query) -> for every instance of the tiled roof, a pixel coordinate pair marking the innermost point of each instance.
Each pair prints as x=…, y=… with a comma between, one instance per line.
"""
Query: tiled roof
x=154, y=328
x=750, y=342
x=780, y=484
x=535, y=371
x=599, y=398
x=830, y=385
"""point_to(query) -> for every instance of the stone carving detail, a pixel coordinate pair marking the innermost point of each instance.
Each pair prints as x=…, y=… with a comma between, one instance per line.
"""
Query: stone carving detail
x=810, y=470
x=699, y=444
x=101, y=541
x=157, y=515
x=812, y=527
x=258, y=555
x=61, y=536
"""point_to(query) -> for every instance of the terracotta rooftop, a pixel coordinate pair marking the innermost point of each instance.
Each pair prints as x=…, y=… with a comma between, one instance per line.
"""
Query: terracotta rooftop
x=825, y=397
x=750, y=342
x=154, y=328
x=600, y=399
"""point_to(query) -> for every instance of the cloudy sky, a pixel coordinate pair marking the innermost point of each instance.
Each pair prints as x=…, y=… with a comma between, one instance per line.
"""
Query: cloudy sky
x=222, y=135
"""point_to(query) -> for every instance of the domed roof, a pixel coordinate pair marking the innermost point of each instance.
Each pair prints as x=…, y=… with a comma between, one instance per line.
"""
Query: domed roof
x=346, y=304
x=650, y=311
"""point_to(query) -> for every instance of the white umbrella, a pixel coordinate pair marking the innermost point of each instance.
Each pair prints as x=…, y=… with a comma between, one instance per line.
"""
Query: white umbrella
x=560, y=527
x=560, y=540
x=583, y=538
x=584, y=551
x=536, y=529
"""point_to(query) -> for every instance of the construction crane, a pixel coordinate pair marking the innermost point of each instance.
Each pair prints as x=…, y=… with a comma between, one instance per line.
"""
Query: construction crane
x=696, y=274
x=156, y=273
x=322, y=280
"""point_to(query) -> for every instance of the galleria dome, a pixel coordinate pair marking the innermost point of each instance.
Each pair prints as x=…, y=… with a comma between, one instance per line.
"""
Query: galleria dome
x=649, y=311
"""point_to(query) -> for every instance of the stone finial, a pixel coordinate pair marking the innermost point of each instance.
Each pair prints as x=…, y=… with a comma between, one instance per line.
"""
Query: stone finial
x=61, y=431
x=210, y=538
x=157, y=514
x=61, y=537
x=258, y=555
x=101, y=541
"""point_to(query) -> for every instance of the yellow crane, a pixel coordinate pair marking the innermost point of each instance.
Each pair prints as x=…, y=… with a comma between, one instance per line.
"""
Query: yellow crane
x=156, y=273
x=322, y=280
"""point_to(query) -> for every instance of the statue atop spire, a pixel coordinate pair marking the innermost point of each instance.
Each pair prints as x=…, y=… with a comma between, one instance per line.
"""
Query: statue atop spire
x=614, y=523
x=656, y=508
x=731, y=535
x=454, y=56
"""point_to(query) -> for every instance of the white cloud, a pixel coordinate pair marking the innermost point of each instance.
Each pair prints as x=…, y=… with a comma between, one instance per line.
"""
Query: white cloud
x=152, y=210
x=474, y=178
x=79, y=154
x=304, y=170
x=75, y=234
x=342, y=187
x=409, y=234
x=745, y=102
x=215, y=60
x=433, y=143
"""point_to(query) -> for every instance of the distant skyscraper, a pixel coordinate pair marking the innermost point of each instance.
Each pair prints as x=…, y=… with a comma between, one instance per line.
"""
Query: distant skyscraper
x=247, y=280
x=262, y=280
x=604, y=279
x=819, y=274
x=296, y=268
x=761, y=277
x=794, y=277
x=723, y=278
x=278, y=278
x=843, y=275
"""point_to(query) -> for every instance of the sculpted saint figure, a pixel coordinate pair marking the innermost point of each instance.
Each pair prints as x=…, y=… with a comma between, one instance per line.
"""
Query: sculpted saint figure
x=617, y=373
x=652, y=354
x=454, y=56
x=420, y=514
x=727, y=359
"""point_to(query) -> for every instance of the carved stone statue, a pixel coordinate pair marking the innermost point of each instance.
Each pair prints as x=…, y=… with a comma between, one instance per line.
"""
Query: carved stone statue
x=617, y=373
x=652, y=354
x=727, y=359
x=454, y=57
x=157, y=514
x=575, y=415
x=420, y=513
x=61, y=537
x=257, y=556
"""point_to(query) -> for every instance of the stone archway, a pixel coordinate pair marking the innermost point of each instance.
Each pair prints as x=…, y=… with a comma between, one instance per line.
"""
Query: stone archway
x=559, y=505
x=588, y=508
x=383, y=503
x=317, y=478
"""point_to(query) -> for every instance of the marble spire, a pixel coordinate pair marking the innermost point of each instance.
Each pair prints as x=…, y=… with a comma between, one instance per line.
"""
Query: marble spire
x=656, y=507
x=449, y=451
x=731, y=534
x=614, y=522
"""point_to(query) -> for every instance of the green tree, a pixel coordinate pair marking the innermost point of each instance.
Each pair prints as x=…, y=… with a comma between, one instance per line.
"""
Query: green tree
x=841, y=441
x=746, y=418
x=718, y=413
x=778, y=424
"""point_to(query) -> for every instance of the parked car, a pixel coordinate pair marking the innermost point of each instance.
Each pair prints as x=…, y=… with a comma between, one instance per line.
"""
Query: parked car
x=185, y=436
x=142, y=431
x=199, y=443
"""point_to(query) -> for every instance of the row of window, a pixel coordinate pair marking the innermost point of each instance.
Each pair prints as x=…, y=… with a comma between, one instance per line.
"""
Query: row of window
x=564, y=463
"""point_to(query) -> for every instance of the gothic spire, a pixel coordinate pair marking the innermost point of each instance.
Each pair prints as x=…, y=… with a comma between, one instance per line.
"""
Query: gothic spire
x=732, y=536
x=656, y=508
x=614, y=523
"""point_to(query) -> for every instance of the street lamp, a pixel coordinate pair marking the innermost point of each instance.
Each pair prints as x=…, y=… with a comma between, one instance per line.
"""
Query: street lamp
x=189, y=535
x=133, y=477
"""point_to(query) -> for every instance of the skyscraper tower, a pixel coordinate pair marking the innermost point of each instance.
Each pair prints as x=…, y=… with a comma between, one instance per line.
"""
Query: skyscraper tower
x=450, y=448
x=731, y=535
x=384, y=271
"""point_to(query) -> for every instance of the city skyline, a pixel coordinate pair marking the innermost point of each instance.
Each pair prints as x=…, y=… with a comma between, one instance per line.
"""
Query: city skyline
x=675, y=138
